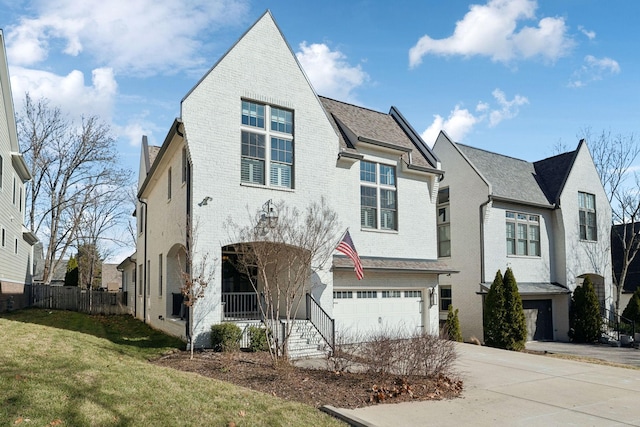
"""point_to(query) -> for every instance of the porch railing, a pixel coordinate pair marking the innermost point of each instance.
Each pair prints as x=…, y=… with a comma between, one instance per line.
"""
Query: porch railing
x=240, y=305
x=613, y=323
x=321, y=321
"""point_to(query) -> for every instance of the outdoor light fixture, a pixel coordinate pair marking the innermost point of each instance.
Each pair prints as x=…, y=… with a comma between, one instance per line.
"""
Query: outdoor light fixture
x=205, y=201
x=433, y=297
x=268, y=217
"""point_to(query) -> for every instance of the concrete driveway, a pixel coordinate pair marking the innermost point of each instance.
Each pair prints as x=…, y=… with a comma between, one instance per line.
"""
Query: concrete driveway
x=518, y=389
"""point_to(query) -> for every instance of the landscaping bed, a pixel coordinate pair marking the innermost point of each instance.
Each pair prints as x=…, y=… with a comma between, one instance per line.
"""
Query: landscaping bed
x=315, y=387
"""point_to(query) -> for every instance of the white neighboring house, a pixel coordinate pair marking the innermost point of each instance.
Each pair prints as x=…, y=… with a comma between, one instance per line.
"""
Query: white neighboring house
x=254, y=130
x=548, y=220
x=16, y=241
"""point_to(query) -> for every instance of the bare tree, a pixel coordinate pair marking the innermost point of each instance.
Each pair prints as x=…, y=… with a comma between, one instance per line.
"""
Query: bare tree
x=72, y=167
x=284, y=246
x=197, y=270
x=614, y=156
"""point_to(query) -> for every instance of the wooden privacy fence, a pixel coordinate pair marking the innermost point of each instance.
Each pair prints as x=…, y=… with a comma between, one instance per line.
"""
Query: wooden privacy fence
x=76, y=299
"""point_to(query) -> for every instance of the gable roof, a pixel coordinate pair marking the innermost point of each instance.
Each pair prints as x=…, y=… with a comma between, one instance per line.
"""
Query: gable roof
x=540, y=183
x=510, y=178
x=355, y=125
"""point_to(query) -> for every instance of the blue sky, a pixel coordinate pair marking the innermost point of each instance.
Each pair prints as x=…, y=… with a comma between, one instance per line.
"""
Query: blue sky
x=517, y=77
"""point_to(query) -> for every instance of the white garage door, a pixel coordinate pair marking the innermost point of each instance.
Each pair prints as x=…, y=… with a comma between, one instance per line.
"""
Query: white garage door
x=368, y=311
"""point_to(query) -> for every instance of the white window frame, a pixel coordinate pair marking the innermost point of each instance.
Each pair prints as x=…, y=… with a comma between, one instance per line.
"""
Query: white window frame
x=267, y=141
x=374, y=182
x=522, y=234
x=413, y=294
x=587, y=216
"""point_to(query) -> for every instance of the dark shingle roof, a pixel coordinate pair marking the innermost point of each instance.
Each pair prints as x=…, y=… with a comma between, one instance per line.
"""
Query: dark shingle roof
x=372, y=125
x=394, y=264
x=552, y=173
x=510, y=178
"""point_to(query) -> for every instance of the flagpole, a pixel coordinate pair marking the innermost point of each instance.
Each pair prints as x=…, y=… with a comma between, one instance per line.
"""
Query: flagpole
x=335, y=245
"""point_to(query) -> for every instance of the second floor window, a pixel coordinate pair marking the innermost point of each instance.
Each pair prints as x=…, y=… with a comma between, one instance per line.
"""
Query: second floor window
x=587, y=214
x=266, y=145
x=523, y=234
x=444, y=228
x=378, y=207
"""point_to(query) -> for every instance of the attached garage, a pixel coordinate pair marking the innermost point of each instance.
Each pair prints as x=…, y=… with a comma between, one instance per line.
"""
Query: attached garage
x=539, y=319
x=545, y=308
x=396, y=295
x=367, y=311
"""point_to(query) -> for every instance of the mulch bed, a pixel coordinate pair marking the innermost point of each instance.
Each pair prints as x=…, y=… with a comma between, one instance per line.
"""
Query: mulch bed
x=315, y=387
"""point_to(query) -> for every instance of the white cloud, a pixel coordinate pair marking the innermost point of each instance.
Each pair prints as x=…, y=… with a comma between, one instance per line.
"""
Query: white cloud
x=491, y=30
x=132, y=132
x=590, y=34
x=592, y=70
x=461, y=121
x=329, y=72
x=69, y=92
x=507, y=109
x=141, y=37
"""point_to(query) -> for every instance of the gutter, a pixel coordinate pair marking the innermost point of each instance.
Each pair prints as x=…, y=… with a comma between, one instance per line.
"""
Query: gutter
x=144, y=263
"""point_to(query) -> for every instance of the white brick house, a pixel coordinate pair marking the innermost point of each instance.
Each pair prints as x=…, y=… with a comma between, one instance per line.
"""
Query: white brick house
x=254, y=130
x=16, y=241
x=548, y=220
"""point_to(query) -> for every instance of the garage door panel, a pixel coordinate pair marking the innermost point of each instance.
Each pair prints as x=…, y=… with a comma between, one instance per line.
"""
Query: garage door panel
x=367, y=315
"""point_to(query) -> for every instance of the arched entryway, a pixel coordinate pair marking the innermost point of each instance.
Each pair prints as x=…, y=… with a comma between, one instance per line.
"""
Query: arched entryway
x=176, y=267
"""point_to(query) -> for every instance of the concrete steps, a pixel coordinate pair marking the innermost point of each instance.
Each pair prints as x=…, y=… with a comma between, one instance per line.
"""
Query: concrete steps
x=305, y=341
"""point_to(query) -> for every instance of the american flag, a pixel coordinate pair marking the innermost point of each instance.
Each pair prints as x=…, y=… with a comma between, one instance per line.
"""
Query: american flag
x=347, y=247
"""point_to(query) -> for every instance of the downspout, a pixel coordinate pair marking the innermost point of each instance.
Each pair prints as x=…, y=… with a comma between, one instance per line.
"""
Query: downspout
x=482, y=207
x=144, y=263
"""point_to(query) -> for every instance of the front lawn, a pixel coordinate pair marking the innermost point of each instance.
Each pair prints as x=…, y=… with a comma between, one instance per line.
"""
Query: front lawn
x=69, y=369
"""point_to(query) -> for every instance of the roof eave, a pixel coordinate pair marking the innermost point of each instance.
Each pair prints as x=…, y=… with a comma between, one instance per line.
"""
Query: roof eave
x=165, y=146
x=21, y=167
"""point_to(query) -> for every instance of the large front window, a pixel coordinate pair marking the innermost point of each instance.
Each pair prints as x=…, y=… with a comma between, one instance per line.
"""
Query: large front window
x=378, y=206
x=587, y=213
x=264, y=145
x=523, y=234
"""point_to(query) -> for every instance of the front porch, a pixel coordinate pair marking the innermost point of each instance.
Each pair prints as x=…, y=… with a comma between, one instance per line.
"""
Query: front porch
x=311, y=335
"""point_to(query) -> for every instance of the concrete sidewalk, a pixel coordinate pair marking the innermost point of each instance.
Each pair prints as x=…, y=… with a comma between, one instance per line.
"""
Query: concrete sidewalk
x=518, y=389
x=622, y=355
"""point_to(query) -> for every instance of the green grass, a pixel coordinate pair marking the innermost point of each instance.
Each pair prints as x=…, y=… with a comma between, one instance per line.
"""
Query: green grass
x=69, y=369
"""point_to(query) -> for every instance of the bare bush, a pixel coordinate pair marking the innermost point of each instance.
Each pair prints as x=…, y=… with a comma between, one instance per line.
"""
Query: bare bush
x=419, y=354
x=347, y=352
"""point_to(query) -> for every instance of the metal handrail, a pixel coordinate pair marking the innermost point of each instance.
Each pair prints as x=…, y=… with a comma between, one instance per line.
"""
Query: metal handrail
x=614, y=321
x=320, y=320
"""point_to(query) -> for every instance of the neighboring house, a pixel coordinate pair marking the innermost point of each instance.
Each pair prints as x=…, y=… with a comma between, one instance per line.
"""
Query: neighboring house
x=16, y=241
x=632, y=280
x=111, y=278
x=253, y=130
x=547, y=220
x=127, y=269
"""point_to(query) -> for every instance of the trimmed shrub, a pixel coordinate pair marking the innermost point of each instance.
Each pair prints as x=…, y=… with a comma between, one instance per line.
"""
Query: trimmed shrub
x=494, y=314
x=226, y=337
x=505, y=325
x=516, y=323
x=584, y=314
x=452, y=325
x=258, y=338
